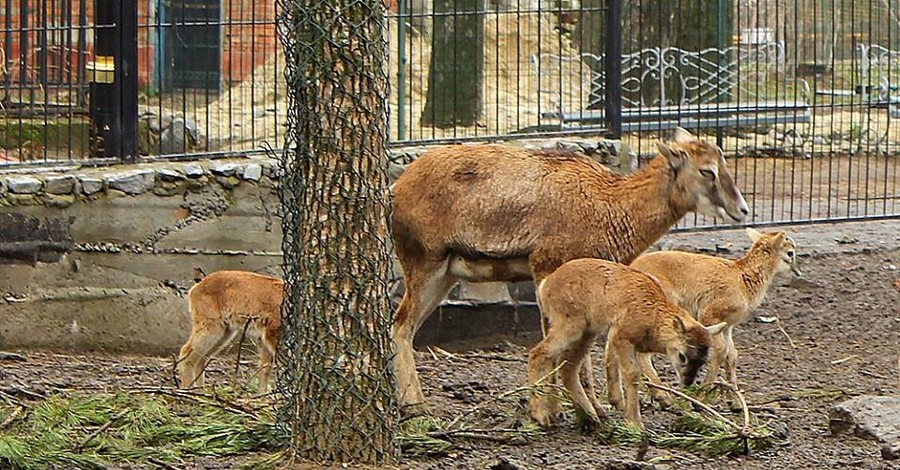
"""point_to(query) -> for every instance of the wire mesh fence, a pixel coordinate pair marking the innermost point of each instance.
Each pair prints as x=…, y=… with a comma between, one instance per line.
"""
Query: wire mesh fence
x=336, y=383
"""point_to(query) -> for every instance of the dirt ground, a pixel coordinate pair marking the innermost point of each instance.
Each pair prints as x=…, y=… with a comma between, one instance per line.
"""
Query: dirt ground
x=843, y=317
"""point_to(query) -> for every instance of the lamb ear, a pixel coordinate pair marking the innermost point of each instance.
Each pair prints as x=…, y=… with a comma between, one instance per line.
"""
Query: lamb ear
x=683, y=136
x=753, y=234
x=716, y=329
x=678, y=324
x=675, y=156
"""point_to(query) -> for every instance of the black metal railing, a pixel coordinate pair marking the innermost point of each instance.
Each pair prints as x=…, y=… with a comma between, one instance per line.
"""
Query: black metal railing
x=803, y=95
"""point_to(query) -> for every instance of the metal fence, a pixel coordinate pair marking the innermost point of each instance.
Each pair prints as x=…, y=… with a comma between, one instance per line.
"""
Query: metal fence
x=805, y=92
x=802, y=94
x=208, y=78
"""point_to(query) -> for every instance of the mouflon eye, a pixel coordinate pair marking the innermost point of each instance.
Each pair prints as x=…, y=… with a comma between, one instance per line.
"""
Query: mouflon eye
x=708, y=174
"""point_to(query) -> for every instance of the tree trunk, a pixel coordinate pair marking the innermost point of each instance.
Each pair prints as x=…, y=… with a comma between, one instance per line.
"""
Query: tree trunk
x=455, y=79
x=336, y=381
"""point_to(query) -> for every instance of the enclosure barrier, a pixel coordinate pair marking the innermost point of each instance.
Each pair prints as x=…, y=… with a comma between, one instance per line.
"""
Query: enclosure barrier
x=801, y=95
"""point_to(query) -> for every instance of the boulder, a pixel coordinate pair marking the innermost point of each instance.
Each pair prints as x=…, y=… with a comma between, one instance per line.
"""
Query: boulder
x=868, y=416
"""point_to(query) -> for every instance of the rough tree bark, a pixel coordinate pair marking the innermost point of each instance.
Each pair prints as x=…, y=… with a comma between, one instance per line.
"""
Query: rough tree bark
x=335, y=377
x=456, y=74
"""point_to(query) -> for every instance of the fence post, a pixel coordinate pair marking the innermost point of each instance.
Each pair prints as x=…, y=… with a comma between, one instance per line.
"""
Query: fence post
x=113, y=80
x=127, y=76
x=104, y=88
x=613, y=66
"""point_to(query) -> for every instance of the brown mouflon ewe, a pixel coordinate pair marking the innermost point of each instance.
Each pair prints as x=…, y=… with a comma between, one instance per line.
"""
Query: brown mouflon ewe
x=587, y=298
x=221, y=306
x=718, y=290
x=497, y=213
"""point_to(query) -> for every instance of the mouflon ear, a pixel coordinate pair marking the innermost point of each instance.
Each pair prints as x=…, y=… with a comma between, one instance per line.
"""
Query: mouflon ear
x=678, y=324
x=716, y=329
x=682, y=136
x=753, y=234
x=675, y=155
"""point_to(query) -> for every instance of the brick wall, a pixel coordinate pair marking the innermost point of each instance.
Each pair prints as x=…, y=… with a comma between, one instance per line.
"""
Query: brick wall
x=249, y=37
x=248, y=32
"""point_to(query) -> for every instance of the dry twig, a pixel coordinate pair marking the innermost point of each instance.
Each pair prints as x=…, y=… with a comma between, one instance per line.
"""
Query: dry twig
x=872, y=374
x=162, y=464
x=785, y=333
x=841, y=361
x=497, y=357
x=480, y=434
x=11, y=392
x=12, y=416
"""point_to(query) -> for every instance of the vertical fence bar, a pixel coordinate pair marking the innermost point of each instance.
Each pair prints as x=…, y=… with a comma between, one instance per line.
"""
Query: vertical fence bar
x=402, y=18
x=127, y=76
x=7, y=45
x=82, y=46
x=23, y=49
x=613, y=66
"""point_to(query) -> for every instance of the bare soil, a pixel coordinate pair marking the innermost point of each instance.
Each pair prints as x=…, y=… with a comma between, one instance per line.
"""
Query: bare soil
x=843, y=317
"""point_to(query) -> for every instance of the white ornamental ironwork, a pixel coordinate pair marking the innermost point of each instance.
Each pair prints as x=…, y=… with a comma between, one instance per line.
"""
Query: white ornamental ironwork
x=667, y=76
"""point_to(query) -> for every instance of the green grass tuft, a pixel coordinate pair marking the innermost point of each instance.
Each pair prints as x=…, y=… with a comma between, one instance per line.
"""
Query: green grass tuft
x=698, y=432
x=614, y=432
x=97, y=430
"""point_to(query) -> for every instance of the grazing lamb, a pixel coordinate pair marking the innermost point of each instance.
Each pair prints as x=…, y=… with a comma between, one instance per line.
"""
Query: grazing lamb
x=222, y=305
x=586, y=298
x=495, y=213
x=719, y=290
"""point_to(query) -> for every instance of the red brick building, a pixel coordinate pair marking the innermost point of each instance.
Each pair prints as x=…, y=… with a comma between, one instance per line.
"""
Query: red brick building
x=181, y=43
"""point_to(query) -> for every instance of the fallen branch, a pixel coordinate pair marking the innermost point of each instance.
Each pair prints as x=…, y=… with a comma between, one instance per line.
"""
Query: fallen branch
x=13, y=391
x=495, y=398
x=496, y=357
x=202, y=398
x=433, y=355
x=699, y=403
x=479, y=434
x=446, y=353
x=99, y=430
x=8, y=356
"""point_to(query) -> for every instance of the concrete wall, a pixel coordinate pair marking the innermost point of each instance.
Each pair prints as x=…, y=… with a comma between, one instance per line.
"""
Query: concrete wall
x=100, y=259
